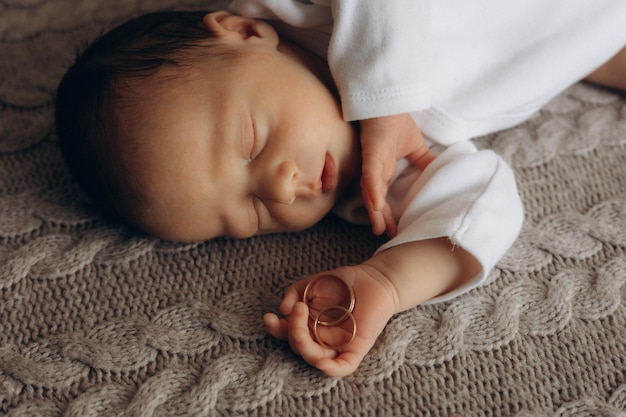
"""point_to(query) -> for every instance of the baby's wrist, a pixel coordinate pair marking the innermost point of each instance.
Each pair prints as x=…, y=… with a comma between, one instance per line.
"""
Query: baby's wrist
x=379, y=273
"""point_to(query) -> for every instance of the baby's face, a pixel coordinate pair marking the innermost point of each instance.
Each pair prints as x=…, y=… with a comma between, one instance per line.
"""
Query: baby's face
x=253, y=146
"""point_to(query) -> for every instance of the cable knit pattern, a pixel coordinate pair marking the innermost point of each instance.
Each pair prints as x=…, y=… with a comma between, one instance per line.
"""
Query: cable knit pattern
x=96, y=320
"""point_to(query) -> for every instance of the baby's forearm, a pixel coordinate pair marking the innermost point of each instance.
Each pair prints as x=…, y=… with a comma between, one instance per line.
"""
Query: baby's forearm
x=419, y=271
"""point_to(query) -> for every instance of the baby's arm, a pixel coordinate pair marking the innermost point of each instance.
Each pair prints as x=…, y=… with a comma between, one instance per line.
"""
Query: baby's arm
x=390, y=282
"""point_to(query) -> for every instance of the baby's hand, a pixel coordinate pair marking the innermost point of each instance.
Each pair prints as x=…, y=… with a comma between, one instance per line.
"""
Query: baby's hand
x=384, y=141
x=375, y=303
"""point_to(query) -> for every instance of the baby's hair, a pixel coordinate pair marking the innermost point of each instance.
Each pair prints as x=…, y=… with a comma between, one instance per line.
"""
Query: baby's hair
x=94, y=89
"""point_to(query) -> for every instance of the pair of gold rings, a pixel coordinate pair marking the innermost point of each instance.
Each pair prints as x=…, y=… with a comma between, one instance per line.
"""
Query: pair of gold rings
x=324, y=318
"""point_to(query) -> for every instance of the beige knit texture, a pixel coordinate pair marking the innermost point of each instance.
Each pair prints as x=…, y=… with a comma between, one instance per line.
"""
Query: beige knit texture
x=96, y=320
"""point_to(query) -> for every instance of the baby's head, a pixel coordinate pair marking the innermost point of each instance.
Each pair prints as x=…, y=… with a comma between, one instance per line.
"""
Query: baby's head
x=192, y=125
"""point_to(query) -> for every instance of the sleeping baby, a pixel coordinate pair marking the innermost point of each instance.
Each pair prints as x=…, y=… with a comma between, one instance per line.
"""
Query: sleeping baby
x=194, y=125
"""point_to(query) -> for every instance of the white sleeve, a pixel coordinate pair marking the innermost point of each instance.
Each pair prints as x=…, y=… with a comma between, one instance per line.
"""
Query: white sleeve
x=466, y=195
x=380, y=56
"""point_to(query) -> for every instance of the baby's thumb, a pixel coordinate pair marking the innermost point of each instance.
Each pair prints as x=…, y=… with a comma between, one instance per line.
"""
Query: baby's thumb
x=421, y=157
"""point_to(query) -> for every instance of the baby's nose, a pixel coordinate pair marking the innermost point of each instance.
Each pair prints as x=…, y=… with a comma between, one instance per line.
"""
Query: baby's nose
x=283, y=184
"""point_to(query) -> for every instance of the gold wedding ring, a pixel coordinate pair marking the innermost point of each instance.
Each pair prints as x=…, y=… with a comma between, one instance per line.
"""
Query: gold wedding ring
x=317, y=319
x=348, y=310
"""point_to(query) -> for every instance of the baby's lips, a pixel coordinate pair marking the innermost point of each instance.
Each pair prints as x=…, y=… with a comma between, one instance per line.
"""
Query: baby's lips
x=329, y=174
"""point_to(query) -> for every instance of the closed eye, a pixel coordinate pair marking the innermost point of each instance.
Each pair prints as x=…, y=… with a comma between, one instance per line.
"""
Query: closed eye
x=259, y=137
x=246, y=140
x=251, y=138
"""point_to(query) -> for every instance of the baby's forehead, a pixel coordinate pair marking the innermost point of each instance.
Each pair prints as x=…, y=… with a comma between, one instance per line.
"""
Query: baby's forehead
x=138, y=100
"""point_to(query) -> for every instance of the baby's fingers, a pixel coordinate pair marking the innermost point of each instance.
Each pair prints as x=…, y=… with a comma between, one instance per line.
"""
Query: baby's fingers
x=373, y=187
x=277, y=327
x=377, y=219
x=293, y=294
x=325, y=359
x=379, y=213
x=390, y=223
x=422, y=156
x=300, y=338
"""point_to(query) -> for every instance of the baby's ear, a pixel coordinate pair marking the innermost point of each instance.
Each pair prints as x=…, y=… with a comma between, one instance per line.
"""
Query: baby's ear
x=229, y=27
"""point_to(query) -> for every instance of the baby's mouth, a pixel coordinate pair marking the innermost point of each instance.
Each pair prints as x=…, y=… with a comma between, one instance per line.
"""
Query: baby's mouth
x=329, y=174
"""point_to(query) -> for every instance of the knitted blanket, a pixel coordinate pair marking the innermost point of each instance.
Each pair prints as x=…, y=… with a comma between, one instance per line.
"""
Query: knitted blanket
x=96, y=319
